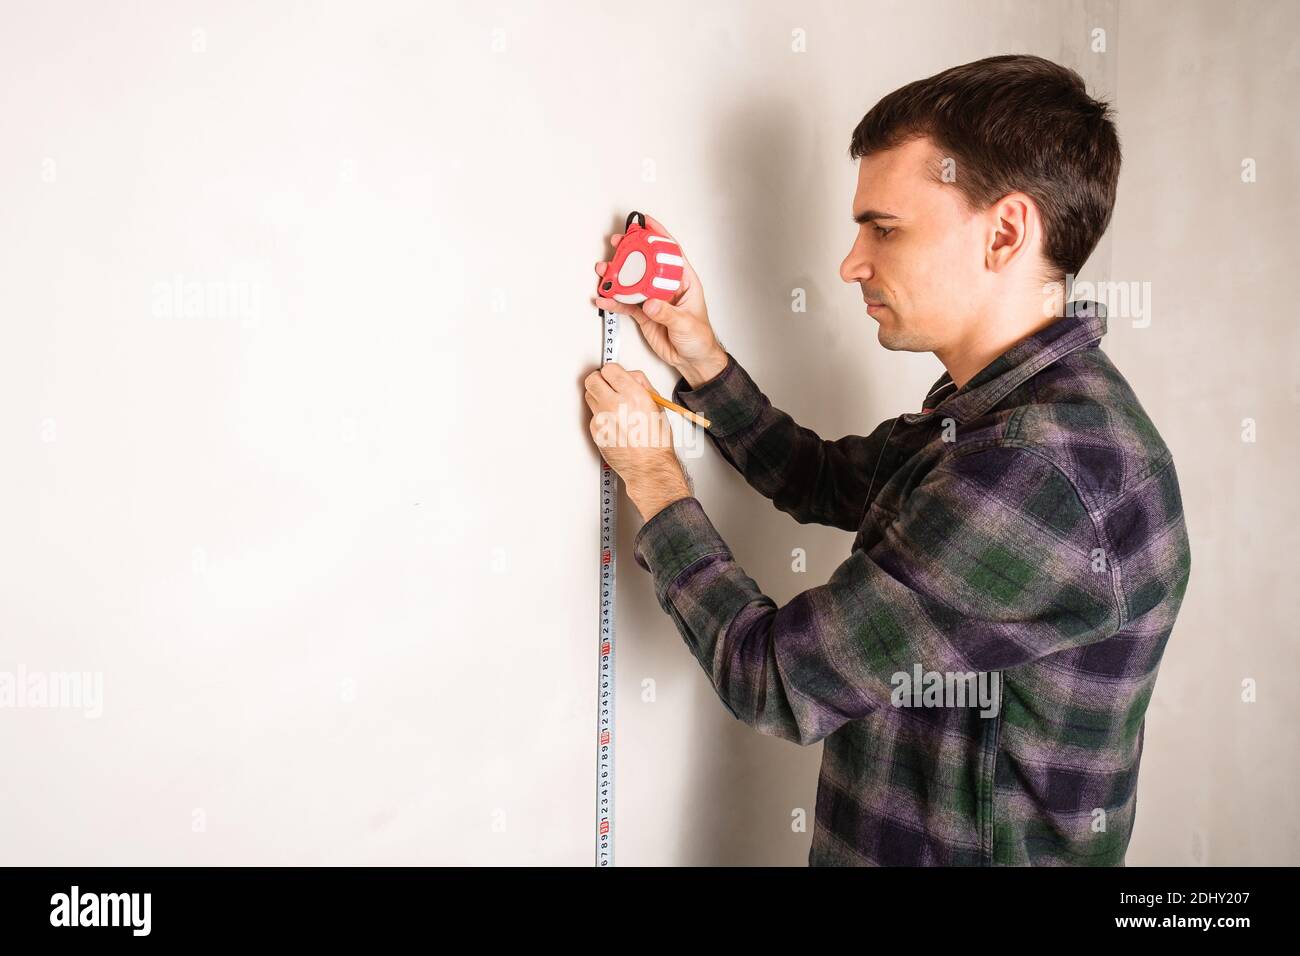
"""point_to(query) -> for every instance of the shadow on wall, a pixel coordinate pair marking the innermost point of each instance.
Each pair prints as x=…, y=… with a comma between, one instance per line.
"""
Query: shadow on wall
x=744, y=789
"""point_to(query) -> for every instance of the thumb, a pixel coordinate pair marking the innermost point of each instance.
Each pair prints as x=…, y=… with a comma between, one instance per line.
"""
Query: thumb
x=657, y=309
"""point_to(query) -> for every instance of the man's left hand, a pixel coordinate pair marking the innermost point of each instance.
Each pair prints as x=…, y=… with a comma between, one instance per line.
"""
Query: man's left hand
x=635, y=437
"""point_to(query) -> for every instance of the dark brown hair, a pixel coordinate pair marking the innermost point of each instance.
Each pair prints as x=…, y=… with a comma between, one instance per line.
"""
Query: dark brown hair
x=1013, y=123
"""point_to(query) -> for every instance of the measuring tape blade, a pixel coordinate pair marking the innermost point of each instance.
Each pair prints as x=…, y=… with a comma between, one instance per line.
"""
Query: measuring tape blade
x=608, y=583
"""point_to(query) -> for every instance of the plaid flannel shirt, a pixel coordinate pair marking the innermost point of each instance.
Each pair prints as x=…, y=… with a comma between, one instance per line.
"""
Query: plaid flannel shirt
x=1027, y=527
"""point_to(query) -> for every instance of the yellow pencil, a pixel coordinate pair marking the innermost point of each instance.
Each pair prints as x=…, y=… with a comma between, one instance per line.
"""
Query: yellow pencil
x=684, y=412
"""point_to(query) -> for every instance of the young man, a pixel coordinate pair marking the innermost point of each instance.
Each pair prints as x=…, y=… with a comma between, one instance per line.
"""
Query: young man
x=980, y=666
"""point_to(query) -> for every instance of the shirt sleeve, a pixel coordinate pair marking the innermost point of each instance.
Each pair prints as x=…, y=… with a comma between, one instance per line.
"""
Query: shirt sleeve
x=992, y=563
x=812, y=479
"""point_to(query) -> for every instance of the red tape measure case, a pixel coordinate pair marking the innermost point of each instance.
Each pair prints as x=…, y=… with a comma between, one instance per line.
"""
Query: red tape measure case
x=645, y=266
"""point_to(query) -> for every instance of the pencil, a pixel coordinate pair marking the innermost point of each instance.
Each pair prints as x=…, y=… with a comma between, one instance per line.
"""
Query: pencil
x=684, y=412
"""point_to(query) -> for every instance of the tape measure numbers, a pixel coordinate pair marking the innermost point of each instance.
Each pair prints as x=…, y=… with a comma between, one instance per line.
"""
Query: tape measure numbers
x=608, y=585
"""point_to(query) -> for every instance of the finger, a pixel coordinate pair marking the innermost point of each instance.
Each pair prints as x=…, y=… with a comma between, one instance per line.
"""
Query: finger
x=658, y=227
x=615, y=239
x=617, y=376
x=627, y=385
x=663, y=312
x=622, y=308
x=601, y=267
x=645, y=382
x=603, y=396
x=609, y=305
x=600, y=389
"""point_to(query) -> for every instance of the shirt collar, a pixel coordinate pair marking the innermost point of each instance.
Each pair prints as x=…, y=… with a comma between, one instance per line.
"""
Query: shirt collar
x=1083, y=324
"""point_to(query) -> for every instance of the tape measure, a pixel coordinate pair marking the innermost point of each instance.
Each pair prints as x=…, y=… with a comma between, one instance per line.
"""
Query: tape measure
x=645, y=266
x=608, y=583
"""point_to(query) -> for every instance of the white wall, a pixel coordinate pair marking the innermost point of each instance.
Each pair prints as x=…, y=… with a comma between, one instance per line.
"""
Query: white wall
x=333, y=553
x=1202, y=91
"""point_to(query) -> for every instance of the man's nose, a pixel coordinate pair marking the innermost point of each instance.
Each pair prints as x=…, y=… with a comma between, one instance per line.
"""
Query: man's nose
x=855, y=267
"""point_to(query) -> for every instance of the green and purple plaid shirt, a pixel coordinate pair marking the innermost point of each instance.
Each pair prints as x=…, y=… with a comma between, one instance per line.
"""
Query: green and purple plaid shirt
x=1026, y=531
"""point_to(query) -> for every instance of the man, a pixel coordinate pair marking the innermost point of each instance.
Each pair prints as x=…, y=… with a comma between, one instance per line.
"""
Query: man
x=1020, y=538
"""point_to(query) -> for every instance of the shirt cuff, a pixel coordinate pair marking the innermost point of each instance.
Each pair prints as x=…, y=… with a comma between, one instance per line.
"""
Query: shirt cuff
x=730, y=400
x=673, y=539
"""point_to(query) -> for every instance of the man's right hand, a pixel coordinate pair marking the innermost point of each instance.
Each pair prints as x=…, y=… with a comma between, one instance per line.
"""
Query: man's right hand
x=679, y=331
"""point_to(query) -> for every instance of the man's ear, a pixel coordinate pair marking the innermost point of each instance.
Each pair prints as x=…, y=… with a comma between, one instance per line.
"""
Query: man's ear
x=1015, y=221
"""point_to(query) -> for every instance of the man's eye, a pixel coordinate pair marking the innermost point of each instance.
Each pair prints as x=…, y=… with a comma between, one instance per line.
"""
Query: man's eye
x=882, y=231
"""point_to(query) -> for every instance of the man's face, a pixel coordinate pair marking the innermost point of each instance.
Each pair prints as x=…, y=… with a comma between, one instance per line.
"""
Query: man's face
x=921, y=252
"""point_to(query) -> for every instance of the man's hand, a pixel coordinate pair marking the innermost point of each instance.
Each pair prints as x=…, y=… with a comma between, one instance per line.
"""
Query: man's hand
x=678, y=332
x=634, y=436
